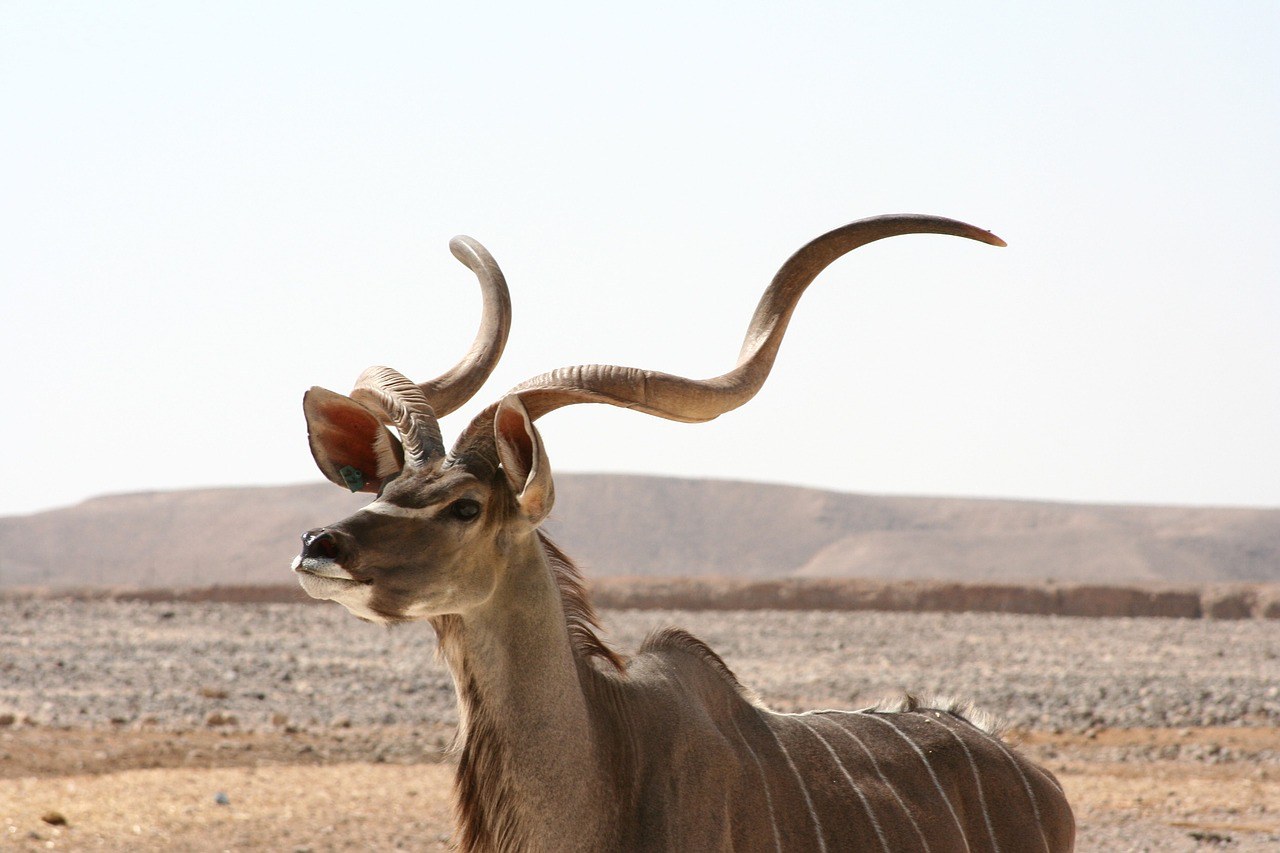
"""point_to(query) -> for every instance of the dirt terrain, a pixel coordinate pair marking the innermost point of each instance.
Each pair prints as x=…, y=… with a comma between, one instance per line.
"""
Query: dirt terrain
x=150, y=726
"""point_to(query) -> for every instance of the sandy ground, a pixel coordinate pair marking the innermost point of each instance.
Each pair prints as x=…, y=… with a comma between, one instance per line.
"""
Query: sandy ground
x=282, y=793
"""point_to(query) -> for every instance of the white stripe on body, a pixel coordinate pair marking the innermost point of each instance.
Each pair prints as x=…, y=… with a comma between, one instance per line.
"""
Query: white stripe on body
x=885, y=779
x=977, y=779
x=813, y=814
x=1035, y=806
x=1048, y=777
x=875, y=824
x=764, y=783
x=927, y=766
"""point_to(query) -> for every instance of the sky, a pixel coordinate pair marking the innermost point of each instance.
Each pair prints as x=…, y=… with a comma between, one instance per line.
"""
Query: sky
x=207, y=208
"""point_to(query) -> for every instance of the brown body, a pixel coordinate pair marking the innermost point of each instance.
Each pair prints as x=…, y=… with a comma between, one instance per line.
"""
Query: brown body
x=682, y=757
x=878, y=779
x=564, y=745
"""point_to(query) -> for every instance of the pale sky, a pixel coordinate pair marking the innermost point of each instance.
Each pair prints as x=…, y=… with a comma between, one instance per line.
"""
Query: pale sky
x=207, y=208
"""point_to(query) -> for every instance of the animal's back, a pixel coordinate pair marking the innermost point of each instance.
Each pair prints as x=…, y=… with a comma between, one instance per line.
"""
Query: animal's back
x=917, y=778
x=910, y=778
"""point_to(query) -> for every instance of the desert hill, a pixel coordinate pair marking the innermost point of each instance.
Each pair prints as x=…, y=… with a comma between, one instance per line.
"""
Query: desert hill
x=651, y=526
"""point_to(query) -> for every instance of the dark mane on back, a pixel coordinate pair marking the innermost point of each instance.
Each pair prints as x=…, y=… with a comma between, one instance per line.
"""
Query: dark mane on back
x=961, y=709
x=580, y=617
x=680, y=640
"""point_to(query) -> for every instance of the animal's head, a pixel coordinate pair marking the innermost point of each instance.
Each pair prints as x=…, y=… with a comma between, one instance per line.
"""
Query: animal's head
x=433, y=540
x=445, y=523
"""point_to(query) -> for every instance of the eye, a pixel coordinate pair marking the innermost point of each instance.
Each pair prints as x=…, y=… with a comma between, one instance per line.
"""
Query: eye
x=464, y=509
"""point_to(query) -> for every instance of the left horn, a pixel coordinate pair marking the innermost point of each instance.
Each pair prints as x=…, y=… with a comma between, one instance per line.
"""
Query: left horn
x=401, y=403
x=450, y=390
x=413, y=408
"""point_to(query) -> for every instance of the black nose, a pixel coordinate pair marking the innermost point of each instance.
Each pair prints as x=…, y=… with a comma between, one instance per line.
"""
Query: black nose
x=320, y=544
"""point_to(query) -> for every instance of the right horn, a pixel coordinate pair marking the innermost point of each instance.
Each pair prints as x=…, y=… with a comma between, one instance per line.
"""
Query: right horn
x=679, y=399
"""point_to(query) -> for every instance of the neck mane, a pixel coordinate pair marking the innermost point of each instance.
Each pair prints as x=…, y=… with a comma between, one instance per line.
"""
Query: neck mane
x=579, y=615
x=484, y=784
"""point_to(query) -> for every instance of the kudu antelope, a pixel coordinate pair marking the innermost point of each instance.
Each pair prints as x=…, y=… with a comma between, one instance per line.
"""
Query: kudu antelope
x=564, y=744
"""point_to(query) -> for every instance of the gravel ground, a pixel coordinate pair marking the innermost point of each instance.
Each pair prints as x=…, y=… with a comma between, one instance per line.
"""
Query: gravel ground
x=318, y=676
x=65, y=663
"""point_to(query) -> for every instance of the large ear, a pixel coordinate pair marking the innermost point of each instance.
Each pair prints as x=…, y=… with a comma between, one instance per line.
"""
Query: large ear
x=349, y=443
x=524, y=461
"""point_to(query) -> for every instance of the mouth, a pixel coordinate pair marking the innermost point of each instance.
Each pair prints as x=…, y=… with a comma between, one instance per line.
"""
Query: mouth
x=323, y=568
x=323, y=578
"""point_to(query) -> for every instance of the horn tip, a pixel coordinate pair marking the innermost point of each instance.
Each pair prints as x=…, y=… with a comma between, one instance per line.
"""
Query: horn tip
x=468, y=250
x=992, y=239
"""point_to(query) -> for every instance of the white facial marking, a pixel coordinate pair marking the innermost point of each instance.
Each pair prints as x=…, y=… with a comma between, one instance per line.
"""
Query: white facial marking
x=353, y=596
x=381, y=507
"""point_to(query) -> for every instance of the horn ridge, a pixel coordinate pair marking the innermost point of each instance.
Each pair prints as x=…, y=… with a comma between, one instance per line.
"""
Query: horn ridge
x=401, y=403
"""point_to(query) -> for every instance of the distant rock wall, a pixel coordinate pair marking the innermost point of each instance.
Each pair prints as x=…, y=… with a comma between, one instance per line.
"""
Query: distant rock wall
x=1215, y=601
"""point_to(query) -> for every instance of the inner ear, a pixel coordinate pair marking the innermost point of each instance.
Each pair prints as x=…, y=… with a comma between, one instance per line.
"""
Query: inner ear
x=524, y=461
x=350, y=445
x=515, y=446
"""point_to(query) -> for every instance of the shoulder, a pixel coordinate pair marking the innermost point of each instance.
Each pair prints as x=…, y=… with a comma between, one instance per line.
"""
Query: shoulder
x=692, y=659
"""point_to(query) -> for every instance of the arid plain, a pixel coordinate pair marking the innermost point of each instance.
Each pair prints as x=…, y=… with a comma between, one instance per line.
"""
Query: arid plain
x=204, y=726
x=164, y=720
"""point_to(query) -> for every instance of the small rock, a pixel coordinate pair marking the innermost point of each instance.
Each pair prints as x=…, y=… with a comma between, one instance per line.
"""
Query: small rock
x=222, y=799
x=7, y=719
x=54, y=818
x=218, y=718
x=213, y=693
x=1214, y=838
x=342, y=721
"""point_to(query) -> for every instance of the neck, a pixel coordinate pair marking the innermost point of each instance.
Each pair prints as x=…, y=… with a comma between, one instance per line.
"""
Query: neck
x=527, y=768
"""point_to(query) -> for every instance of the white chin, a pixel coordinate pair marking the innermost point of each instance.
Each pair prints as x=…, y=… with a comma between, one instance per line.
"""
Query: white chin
x=328, y=581
x=355, y=597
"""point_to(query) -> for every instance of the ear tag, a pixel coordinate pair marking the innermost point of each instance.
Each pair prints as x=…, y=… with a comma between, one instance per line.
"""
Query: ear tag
x=352, y=477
